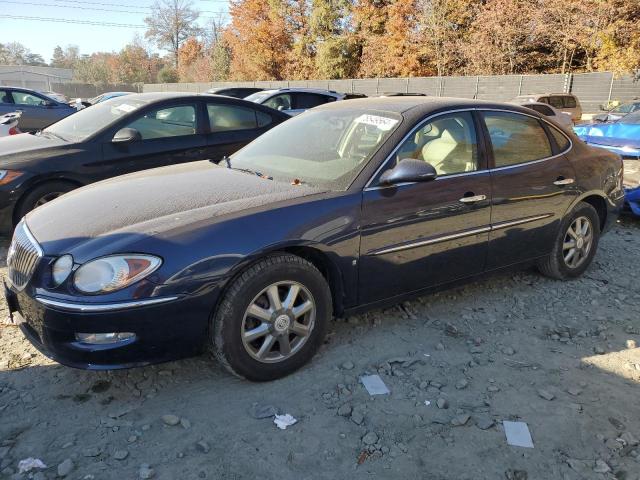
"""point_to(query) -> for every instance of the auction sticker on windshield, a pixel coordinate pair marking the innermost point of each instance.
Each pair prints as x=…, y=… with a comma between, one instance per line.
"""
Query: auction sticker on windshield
x=383, y=123
x=126, y=107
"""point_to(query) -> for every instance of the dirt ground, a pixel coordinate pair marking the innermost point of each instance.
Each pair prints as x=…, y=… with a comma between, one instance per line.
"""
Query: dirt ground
x=559, y=356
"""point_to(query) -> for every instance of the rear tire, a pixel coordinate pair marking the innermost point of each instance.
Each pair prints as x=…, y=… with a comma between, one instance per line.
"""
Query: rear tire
x=272, y=319
x=40, y=195
x=575, y=245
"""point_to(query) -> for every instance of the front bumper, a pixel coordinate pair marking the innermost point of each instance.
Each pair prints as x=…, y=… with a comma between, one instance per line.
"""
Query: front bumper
x=164, y=331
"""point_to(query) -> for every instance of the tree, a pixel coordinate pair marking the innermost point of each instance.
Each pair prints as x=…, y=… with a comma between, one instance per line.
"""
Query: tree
x=172, y=23
x=259, y=39
x=168, y=74
x=191, y=52
x=15, y=53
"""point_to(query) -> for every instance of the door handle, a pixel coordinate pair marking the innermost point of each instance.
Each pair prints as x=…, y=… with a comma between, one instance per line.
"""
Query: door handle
x=473, y=198
x=563, y=181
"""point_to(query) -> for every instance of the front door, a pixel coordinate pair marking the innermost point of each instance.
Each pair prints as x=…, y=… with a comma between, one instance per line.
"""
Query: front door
x=533, y=185
x=423, y=234
x=169, y=135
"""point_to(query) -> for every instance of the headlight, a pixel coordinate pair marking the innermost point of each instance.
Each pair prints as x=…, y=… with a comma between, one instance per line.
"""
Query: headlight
x=6, y=176
x=107, y=274
x=61, y=269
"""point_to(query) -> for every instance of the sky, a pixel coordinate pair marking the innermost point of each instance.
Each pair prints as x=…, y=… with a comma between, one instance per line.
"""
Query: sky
x=41, y=36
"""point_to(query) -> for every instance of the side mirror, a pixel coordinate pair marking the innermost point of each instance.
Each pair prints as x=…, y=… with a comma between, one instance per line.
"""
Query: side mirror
x=126, y=135
x=49, y=104
x=409, y=170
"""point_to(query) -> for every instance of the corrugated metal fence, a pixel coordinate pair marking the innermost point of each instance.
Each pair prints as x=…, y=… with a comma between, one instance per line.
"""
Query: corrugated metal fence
x=593, y=89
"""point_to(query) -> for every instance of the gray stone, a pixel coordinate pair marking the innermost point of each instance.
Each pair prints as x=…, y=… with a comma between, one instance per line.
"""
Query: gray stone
x=484, y=423
x=203, y=446
x=574, y=391
x=546, y=395
x=171, y=420
x=65, y=468
x=91, y=452
x=460, y=420
x=462, y=384
x=348, y=365
x=185, y=423
x=262, y=411
x=601, y=467
x=598, y=350
x=146, y=472
x=120, y=454
x=629, y=439
x=442, y=403
x=345, y=410
x=357, y=417
x=371, y=438
x=508, y=351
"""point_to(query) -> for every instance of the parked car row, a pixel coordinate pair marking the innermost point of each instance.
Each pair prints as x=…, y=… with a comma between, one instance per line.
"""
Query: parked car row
x=349, y=206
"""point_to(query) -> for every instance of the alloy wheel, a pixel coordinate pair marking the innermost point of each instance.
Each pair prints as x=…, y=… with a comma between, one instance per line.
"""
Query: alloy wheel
x=278, y=322
x=577, y=242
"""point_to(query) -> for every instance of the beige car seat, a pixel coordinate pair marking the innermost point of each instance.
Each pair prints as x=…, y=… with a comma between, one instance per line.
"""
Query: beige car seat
x=451, y=152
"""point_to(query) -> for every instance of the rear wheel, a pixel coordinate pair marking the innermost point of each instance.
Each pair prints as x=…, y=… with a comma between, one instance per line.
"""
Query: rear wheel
x=40, y=195
x=272, y=319
x=575, y=245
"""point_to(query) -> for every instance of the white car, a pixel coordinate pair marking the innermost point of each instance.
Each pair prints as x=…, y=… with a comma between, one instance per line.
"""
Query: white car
x=9, y=124
x=294, y=101
x=565, y=102
x=562, y=118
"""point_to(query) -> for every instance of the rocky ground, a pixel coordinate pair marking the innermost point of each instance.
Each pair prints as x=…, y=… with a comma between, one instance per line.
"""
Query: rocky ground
x=561, y=357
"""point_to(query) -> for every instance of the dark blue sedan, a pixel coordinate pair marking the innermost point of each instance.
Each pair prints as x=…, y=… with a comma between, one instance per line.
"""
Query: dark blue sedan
x=349, y=206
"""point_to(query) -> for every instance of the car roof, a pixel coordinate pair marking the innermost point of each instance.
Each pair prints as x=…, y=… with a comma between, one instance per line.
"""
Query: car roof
x=303, y=90
x=418, y=105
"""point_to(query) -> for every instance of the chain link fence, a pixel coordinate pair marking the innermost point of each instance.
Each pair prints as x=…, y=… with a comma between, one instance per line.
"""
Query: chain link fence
x=592, y=89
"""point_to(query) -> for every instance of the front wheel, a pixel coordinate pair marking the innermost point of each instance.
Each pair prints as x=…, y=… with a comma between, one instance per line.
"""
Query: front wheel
x=40, y=195
x=272, y=319
x=575, y=245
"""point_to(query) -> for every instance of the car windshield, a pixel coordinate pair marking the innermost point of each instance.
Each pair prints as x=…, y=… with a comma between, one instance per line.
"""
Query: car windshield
x=632, y=118
x=326, y=149
x=83, y=124
x=624, y=108
x=258, y=97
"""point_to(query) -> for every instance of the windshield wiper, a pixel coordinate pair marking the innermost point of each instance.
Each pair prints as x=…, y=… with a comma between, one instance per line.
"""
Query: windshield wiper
x=227, y=160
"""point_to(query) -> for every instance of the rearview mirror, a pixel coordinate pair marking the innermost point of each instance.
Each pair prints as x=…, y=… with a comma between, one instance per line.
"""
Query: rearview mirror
x=409, y=170
x=126, y=135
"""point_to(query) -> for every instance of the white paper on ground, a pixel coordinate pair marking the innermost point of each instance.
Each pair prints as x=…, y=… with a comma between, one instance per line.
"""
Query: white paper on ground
x=374, y=385
x=517, y=434
x=29, y=464
x=284, y=421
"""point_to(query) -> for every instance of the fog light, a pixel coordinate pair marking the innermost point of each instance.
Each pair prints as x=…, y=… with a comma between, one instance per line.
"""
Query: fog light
x=104, y=338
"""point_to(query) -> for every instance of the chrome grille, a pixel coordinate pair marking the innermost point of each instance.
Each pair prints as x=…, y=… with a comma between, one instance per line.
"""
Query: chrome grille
x=23, y=256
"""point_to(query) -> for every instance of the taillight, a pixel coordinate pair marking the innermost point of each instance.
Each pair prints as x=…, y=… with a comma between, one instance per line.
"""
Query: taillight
x=14, y=131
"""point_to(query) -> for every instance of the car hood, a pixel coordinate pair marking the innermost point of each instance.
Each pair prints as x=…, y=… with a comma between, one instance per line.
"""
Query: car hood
x=150, y=202
x=24, y=147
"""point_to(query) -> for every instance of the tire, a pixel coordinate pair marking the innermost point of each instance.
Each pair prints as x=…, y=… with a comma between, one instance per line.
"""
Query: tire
x=555, y=265
x=41, y=194
x=297, y=324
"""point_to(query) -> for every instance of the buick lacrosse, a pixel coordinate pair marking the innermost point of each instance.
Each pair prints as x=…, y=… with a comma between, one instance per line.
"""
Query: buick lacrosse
x=349, y=206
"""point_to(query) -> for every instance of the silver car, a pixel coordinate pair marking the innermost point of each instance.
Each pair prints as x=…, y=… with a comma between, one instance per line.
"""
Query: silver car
x=38, y=110
x=294, y=101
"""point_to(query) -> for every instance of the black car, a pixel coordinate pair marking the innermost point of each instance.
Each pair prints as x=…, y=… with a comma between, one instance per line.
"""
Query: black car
x=348, y=206
x=237, y=92
x=123, y=135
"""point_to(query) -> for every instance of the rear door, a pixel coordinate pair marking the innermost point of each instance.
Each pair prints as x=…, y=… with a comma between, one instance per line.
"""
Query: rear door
x=422, y=234
x=303, y=101
x=532, y=185
x=6, y=102
x=231, y=127
x=171, y=134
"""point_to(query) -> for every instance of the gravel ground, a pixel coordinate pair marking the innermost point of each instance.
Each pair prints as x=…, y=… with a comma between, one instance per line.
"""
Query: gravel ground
x=559, y=356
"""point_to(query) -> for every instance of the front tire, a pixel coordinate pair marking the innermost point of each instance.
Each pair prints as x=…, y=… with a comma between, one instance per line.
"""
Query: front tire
x=272, y=319
x=40, y=195
x=575, y=245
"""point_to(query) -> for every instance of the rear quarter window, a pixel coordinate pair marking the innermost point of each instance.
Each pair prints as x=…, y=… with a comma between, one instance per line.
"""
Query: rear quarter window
x=569, y=102
x=561, y=140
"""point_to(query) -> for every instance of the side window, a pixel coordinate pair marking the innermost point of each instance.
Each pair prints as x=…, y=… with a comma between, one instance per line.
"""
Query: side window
x=556, y=102
x=230, y=117
x=310, y=100
x=561, y=140
x=516, y=138
x=544, y=100
x=24, y=98
x=264, y=119
x=5, y=97
x=542, y=109
x=166, y=122
x=279, y=102
x=448, y=143
x=569, y=102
